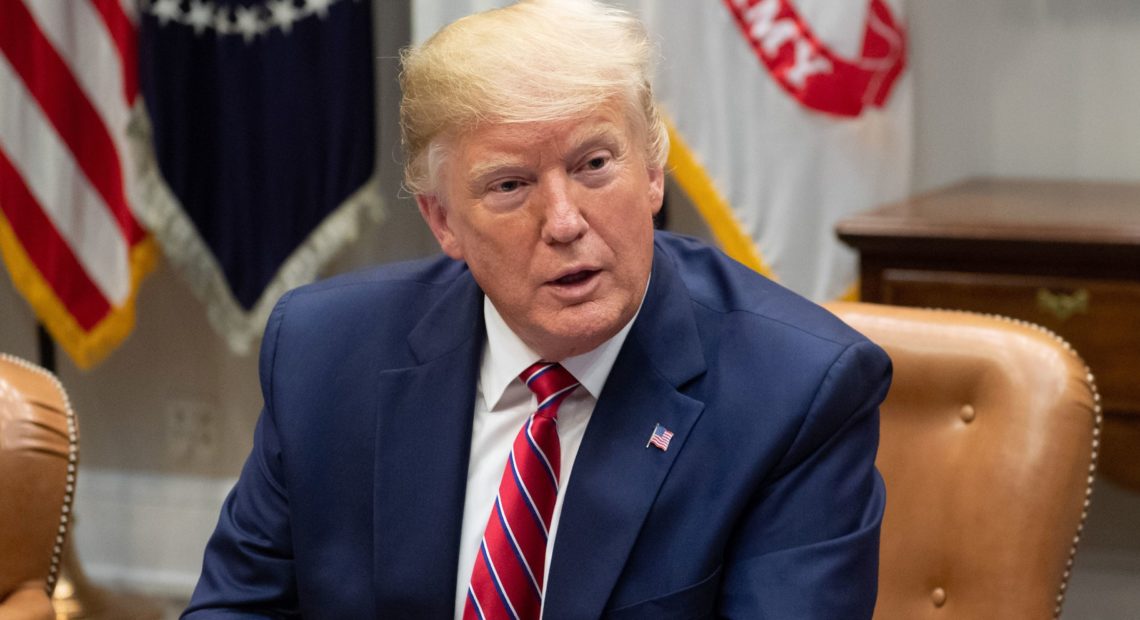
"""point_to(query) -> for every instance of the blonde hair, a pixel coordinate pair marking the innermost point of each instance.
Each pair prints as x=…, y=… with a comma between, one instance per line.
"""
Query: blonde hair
x=533, y=61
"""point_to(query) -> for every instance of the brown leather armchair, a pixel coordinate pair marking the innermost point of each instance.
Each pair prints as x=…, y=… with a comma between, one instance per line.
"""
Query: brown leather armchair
x=988, y=449
x=38, y=454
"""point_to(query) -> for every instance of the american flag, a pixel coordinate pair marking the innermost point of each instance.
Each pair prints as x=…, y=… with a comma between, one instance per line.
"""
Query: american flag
x=68, y=83
x=661, y=437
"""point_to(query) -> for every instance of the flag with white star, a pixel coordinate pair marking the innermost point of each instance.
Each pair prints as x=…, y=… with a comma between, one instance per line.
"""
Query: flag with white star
x=262, y=125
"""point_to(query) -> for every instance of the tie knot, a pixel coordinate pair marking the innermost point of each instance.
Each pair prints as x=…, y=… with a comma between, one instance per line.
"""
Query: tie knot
x=551, y=383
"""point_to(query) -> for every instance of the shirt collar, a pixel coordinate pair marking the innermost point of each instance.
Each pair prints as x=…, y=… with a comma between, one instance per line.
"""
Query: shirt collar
x=507, y=355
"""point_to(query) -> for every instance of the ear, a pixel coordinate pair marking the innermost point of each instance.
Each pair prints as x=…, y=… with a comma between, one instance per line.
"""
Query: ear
x=435, y=214
x=656, y=188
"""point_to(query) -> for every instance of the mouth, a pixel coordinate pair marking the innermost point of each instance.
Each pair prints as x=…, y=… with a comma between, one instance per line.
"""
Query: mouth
x=576, y=277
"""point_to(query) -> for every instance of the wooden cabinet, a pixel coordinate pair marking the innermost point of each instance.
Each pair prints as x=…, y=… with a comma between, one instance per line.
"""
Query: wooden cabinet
x=1065, y=255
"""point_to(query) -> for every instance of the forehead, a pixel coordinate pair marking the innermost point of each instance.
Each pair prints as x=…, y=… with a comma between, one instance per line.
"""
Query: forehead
x=528, y=141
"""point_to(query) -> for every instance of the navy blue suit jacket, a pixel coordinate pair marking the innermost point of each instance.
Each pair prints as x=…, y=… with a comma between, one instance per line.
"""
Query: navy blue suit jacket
x=766, y=504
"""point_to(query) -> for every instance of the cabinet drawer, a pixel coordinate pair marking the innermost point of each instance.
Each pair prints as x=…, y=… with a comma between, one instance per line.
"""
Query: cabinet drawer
x=1100, y=318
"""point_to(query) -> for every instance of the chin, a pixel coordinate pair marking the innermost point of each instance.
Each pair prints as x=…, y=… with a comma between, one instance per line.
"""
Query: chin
x=574, y=335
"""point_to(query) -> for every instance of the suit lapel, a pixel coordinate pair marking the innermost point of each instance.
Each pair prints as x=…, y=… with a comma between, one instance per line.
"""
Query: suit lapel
x=423, y=442
x=616, y=477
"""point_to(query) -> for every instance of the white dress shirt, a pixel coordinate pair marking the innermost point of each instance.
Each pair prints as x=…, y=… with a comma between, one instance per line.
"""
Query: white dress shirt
x=502, y=405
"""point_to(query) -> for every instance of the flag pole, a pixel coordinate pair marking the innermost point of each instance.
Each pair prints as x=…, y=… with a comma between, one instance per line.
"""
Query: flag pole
x=46, y=348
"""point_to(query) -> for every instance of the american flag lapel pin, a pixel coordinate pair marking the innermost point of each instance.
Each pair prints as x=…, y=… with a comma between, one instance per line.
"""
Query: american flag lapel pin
x=661, y=437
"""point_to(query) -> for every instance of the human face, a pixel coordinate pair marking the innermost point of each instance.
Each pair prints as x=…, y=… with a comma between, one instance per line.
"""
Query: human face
x=555, y=222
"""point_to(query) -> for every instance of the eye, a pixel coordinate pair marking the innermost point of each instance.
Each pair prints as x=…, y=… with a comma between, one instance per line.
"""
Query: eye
x=597, y=162
x=507, y=186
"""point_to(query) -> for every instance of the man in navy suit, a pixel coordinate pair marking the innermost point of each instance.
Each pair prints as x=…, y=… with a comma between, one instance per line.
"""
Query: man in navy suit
x=716, y=455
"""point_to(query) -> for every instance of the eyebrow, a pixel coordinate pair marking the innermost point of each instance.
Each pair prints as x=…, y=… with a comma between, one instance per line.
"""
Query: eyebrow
x=604, y=133
x=482, y=170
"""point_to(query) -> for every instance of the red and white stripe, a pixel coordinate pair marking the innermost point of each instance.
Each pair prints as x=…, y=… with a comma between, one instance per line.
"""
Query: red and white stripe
x=68, y=82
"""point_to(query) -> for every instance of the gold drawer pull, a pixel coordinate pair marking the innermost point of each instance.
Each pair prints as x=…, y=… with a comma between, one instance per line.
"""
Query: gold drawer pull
x=1063, y=305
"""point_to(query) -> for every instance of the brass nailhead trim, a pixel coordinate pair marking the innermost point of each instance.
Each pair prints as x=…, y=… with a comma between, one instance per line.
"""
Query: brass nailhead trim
x=1098, y=417
x=72, y=466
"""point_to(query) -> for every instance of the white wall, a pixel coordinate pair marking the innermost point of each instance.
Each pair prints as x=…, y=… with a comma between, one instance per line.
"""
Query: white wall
x=1037, y=88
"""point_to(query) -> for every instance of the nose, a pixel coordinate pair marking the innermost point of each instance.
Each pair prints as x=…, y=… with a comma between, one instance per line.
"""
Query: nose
x=563, y=221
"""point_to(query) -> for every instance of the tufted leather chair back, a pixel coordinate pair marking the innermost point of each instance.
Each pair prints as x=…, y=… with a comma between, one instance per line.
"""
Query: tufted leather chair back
x=38, y=451
x=988, y=449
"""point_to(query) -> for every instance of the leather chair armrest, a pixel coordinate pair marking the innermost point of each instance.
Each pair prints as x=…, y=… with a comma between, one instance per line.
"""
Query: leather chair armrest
x=27, y=602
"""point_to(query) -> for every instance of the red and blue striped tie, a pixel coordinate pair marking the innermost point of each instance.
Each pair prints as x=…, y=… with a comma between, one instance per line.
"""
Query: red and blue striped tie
x=506, y=582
